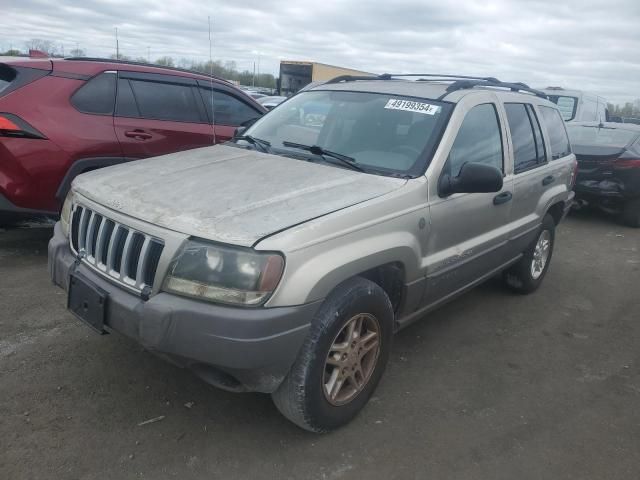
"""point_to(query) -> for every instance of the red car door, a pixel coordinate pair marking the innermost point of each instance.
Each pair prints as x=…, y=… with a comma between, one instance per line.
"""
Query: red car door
x=159, y=114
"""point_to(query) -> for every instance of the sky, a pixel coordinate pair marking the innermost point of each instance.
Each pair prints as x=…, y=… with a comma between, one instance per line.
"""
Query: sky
x=581, y=44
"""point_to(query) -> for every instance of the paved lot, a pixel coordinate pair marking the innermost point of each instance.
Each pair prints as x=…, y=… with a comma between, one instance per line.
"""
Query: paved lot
x=493, y=386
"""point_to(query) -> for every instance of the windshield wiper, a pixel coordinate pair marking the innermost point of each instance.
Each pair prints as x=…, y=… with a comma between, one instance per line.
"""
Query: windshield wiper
x=257, y=142
x=318, y=150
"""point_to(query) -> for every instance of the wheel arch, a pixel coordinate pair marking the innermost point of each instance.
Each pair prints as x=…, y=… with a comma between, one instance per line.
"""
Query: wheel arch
x=556, y=210
x=84, y=165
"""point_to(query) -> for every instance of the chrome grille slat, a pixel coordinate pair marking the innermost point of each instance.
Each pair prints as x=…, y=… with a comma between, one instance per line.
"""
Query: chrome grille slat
x=89, y=237
x=111, y=251
x=100, y=244
x=126, y=251
x=144, y=256
x=130, y=256
x=84, y=219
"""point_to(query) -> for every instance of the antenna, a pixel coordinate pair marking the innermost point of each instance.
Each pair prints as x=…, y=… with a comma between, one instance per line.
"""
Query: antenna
x=213, y=111
x=117, y=46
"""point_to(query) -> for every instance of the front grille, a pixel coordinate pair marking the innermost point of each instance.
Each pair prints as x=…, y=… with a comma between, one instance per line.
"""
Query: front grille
x=126, y=255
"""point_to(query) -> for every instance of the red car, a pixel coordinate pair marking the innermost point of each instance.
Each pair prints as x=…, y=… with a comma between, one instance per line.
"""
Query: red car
x=60, y=118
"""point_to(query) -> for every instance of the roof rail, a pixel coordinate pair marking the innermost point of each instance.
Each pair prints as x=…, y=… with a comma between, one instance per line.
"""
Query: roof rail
x=458, y=82
x=514, y=87
x=142, y=64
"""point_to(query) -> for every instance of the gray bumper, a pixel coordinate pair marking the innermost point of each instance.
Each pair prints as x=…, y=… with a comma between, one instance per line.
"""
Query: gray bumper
x=243, y=349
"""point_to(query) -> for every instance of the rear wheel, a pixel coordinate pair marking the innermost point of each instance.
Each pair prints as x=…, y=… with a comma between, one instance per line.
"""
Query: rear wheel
x=631, y=213
x=526, y=275
x=342, y=359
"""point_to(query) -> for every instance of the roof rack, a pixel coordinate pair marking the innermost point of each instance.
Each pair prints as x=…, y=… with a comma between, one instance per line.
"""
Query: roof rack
x=142, y=64
x=458, y=82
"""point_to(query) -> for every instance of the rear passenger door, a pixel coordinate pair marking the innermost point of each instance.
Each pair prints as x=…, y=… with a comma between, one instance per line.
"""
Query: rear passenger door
x=159, y=114
x=469, y=231
x=531, y=177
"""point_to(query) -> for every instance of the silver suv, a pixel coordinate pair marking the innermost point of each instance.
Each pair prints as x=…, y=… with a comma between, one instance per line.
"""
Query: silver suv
x=284, y=261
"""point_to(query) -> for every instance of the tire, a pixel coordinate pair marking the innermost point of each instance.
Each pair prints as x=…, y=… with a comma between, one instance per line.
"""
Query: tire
x=521, y=277
x=630, y=215
x=302, y=396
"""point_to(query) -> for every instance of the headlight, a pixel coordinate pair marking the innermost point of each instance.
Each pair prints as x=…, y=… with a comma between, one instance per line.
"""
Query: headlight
x=65, y=213
x=224, y=274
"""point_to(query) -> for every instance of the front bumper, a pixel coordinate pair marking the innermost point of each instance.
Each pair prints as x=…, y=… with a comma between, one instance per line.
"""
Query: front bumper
x=240, y=349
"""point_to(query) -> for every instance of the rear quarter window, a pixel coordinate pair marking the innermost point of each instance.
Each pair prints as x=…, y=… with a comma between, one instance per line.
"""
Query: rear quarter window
x=97, y=96
x=566, y=105
x=557, y=132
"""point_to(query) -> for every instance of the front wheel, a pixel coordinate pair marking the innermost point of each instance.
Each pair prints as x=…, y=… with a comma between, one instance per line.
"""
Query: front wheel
x=342, y=359
x=526, y=275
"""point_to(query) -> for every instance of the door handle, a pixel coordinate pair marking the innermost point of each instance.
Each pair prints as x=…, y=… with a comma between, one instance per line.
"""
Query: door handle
x=501, y=198
x=548, y=180
x=139, y=134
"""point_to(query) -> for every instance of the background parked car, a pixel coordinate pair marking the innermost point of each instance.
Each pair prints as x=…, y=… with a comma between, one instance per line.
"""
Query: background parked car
x=60, y=118
x=609, y=167
x=271, y=102
x=578, y=106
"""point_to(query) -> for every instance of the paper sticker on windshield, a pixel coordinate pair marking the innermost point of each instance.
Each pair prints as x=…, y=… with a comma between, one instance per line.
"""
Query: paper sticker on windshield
x=411, y=106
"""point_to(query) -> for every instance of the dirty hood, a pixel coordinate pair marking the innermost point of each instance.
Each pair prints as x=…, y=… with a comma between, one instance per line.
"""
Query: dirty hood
x=229, y=194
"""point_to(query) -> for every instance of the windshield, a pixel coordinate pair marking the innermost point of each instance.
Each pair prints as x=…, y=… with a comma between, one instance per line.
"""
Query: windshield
x=381, y=133
x=605, y=136
x=566, y=105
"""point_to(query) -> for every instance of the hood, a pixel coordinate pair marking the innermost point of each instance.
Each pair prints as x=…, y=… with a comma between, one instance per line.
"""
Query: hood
x=229, y=194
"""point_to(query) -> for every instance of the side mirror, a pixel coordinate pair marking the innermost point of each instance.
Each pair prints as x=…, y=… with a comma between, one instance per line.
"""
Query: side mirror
x=239, y=131
x=473, y=178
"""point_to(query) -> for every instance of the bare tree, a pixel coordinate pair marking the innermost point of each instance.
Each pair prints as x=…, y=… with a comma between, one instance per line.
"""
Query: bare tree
x=45, y=46
x=77, y=52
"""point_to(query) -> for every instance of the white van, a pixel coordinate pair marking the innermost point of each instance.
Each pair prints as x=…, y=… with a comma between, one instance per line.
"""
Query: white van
x=578, y=106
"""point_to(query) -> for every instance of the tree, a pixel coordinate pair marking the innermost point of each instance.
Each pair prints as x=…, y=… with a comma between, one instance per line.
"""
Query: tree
x=165, y=62
x=77, y=52
x=113, y=56
x=43, y=45
x=12, y=52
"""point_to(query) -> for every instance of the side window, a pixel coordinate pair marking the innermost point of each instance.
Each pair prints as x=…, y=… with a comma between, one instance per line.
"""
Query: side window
x=126, y=103
x=97, y=95
x=541, y=151
x=478, y=140
x=228, y=109
x=560, y=146
x=165, y=101
x=525, y=155
x=589, y=110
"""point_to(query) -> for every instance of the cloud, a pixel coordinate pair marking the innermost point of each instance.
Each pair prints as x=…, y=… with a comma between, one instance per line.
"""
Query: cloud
x=578, y=44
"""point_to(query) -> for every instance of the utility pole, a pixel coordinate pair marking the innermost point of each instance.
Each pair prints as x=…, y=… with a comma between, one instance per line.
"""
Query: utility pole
x=253, y=82
x=117, y=46
x=148, y=54
x=258, y=69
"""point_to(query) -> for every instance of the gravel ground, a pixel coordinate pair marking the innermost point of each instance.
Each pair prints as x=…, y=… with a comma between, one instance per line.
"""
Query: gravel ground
x=491, y=386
